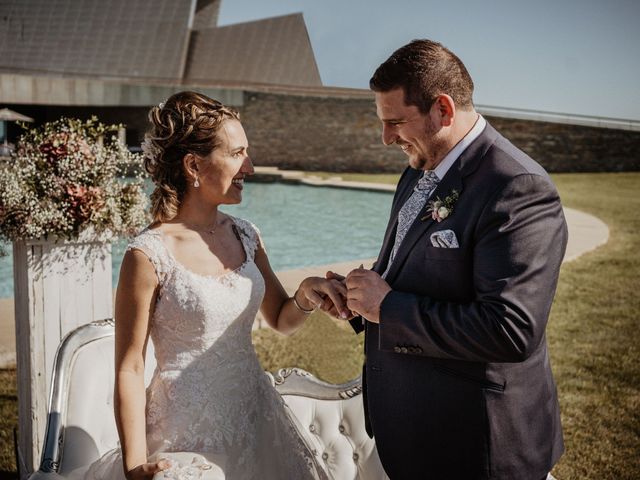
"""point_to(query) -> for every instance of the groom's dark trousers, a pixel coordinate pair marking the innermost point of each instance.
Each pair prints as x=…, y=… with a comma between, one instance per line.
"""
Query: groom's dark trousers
x=457, y=379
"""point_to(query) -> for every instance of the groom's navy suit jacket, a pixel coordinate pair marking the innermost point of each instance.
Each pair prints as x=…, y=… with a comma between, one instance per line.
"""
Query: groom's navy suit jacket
x=457, y=379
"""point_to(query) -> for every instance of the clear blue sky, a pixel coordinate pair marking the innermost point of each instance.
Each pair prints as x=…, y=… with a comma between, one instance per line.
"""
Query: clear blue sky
x=566, y=56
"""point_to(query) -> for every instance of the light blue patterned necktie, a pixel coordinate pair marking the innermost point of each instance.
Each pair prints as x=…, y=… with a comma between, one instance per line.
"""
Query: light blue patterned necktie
x=409, y=211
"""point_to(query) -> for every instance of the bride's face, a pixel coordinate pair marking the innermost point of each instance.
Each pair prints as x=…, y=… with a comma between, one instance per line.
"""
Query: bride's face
x=222, y=172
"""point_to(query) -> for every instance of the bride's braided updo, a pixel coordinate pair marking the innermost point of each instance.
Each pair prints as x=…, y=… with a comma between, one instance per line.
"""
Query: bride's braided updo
x=188, y=122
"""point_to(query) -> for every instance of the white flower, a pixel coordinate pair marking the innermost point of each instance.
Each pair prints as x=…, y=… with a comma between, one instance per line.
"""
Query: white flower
x=443, y=212
x=440, y=209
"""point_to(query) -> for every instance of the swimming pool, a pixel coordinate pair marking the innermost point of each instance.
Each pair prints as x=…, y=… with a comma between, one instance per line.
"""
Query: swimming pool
x=301, y=226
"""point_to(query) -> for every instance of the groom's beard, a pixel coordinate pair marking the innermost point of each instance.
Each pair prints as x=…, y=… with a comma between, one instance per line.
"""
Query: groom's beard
x=435, y=148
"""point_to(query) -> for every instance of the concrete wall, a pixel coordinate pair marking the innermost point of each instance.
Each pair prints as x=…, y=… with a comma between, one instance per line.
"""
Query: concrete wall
x=50, y=90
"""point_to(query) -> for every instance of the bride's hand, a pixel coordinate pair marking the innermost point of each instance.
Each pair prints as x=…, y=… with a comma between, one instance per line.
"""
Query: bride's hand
x=327, y=294
x=328, y=306
x=147, y=470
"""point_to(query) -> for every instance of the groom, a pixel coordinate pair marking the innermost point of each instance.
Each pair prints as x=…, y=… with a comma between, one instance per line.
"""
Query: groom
x=457, y=379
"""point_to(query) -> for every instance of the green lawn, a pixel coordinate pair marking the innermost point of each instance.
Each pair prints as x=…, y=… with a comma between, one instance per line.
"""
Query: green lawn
x=593, y=334
x=593, y=338
x=8, y=421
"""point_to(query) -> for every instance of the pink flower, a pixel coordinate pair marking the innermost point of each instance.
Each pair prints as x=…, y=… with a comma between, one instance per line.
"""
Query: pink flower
x=53, y=150
x=83, y=201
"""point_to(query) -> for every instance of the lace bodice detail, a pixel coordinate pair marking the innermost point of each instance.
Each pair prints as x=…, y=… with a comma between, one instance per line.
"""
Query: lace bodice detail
x=209, y=392
x=193, y=311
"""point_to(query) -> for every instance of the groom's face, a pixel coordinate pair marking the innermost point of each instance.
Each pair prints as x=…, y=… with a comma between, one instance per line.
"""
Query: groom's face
x=413, y=131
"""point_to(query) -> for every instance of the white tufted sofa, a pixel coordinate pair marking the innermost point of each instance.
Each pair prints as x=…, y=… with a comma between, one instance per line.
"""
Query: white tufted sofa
x=333, y=419
x=81, y=426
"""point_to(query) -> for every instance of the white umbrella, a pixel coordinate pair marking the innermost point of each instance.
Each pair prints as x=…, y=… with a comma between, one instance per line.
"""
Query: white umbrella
x=7, y=115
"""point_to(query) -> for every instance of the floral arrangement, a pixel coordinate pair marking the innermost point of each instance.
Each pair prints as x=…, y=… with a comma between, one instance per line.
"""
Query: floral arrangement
x=69, y=176
x=441, y=209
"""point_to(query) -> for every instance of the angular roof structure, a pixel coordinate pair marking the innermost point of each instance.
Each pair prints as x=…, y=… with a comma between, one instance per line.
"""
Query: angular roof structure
x=160, y=40
x=276, y=50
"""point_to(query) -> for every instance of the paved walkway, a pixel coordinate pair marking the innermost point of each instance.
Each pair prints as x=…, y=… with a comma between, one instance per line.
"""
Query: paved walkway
x=586, y=233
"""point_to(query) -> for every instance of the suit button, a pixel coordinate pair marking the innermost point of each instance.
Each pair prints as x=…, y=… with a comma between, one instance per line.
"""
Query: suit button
x=341, y=428
x=312, y=428
x=325, y=455
x=397, y=349
x=404, y=350
x=418, y=350
x=355, y=457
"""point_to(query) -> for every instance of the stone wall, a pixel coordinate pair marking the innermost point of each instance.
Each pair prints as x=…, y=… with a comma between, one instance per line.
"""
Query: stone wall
x=343, y=135
x=340, y=132
x=316, y=133
x=573, y=148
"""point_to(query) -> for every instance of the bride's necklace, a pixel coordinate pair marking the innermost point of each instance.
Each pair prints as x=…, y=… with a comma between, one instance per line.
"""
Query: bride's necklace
x=211, y=230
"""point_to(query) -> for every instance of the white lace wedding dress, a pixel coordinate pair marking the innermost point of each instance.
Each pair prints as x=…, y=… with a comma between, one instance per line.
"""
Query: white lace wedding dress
x=208, y=392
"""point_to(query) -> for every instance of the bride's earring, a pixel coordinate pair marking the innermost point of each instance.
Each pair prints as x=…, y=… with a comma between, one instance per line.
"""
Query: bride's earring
x=196, y=183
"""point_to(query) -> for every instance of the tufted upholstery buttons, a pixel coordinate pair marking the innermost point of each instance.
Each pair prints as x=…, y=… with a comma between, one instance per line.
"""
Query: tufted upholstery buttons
x=335, y=428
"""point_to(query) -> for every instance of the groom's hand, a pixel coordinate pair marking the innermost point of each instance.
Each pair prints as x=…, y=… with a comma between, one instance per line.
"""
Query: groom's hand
x=365, y=292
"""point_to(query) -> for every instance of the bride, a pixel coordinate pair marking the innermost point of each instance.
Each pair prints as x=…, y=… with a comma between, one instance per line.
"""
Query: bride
x=193, y=281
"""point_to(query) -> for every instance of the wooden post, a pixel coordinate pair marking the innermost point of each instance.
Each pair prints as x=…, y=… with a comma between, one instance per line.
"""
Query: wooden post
x=59, y=285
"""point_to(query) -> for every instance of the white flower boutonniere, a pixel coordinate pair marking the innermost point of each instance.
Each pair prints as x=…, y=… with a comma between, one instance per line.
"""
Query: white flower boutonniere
x=440, y=209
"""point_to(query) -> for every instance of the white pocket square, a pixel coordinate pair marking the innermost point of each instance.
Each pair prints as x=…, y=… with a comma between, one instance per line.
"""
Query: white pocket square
x=444, y=239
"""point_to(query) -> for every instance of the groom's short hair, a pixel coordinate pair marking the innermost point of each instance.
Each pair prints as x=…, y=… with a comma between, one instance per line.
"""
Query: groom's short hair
x=425, y=69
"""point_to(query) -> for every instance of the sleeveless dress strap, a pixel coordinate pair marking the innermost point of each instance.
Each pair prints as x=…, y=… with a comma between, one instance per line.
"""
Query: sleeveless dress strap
x=249, y=236
x=150, y=243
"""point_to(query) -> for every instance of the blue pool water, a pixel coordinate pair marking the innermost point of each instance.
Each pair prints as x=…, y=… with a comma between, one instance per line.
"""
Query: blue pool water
x=300, y=225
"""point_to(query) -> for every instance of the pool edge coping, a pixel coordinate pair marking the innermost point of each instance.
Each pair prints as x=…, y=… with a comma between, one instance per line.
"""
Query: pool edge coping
x=299, y=177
